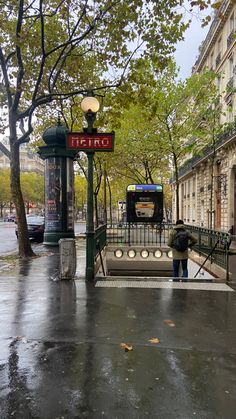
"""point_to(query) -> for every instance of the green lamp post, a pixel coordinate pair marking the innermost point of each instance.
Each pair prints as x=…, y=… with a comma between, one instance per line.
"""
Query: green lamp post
x=90, y=106
x=59, y=185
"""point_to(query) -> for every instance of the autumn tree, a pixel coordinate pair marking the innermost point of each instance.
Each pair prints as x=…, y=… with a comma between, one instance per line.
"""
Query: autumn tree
x=51, y=51
x=138, y=149
x=33, y=189
x=5, y=193
x=179, y=107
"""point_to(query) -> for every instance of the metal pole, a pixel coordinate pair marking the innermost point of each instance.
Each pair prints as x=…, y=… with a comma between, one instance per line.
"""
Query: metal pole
x=89, y=221
x=105, y=196
x=212, y=250
x=90, y=117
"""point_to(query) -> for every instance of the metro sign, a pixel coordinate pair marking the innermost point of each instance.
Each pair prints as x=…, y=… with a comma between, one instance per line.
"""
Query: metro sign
x=83, y=141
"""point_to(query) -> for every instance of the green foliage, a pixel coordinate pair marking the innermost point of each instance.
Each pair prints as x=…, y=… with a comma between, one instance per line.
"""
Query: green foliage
x=80, y=188
x=32, y=187
x=5, y=193
x=53, y=51
x=137, y=148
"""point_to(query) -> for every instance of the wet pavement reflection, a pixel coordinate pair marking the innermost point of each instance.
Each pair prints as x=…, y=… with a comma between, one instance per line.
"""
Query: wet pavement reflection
x=61, y=354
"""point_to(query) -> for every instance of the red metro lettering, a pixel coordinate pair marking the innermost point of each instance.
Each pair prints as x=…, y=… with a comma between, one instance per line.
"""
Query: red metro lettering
x=88, y=142
x=101, y=142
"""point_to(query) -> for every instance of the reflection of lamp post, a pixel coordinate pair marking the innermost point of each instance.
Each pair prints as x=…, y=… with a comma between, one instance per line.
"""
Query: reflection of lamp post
x=90, y=106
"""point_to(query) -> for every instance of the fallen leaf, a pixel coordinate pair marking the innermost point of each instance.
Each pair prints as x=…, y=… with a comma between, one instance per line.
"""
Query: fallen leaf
x=170, y=323
x=127, y=347
x=154, y=340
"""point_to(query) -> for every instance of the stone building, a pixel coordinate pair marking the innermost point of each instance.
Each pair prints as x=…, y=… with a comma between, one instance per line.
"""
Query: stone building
x=29, y=160
x=208, y=184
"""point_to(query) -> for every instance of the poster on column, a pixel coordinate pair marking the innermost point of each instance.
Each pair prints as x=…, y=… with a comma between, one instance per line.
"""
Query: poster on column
x=53, y=194
x=70, y=194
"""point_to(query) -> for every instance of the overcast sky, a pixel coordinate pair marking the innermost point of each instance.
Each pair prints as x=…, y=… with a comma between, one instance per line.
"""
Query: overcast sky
x=187, y=50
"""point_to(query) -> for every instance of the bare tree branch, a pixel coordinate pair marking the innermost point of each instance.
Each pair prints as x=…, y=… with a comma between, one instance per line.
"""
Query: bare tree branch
x=6, y=78
x=20, y=73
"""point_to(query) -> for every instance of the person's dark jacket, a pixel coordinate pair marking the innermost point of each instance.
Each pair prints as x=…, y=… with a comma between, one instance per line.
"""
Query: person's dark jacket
x=192, y=240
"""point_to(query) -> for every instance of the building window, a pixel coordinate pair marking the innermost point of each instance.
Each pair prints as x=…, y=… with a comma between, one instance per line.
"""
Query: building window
x=202, y=214
x=219, y=84
x=211, y=66
x=219, y=48
x=193, y=213
x=194, y=186
x=231, y=23
x=231, y=67
x=230, y=112
x=231, y=30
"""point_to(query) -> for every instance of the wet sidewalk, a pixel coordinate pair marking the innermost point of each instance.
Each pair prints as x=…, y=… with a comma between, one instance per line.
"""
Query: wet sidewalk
x=62, y=356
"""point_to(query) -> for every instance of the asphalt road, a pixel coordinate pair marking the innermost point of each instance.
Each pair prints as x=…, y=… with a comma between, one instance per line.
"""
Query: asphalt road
x=9, y=243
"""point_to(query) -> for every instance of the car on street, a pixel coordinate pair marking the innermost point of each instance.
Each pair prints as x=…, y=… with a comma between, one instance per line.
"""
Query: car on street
x=10, y=218
x=35, y=227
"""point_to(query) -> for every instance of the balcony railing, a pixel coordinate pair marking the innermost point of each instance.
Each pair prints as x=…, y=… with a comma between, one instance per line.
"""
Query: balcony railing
x=229, y=133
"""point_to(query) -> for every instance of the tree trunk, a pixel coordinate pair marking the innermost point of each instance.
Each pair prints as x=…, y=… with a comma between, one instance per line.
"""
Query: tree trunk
x=24, y=242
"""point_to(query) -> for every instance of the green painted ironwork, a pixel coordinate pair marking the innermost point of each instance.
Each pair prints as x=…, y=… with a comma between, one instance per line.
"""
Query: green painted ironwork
x=158, y=234
x=90, y=223
x=100, y=239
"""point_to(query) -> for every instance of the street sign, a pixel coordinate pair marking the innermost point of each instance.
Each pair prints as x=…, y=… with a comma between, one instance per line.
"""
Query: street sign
x=82, y=141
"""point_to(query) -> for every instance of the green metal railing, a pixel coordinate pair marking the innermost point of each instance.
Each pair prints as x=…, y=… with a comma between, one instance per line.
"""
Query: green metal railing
x=100, y=239
x=138, y=234
x=209, y=242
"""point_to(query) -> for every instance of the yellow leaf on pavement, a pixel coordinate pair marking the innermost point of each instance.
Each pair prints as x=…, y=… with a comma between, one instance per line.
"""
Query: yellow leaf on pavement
x=154, y=340
x=126, y=346
x=170, y=323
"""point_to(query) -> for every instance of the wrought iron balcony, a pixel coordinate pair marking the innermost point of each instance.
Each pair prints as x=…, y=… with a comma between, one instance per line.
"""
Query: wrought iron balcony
x=229, y=133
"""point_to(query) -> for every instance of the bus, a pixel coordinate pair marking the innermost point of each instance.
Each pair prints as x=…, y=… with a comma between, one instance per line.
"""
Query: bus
x=144, y=203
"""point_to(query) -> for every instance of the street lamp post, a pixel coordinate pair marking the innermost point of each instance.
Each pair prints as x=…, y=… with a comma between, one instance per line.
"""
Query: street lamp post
x=90, y=106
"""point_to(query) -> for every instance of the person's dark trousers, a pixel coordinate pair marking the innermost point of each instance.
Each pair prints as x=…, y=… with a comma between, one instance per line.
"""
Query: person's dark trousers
x=176, y=265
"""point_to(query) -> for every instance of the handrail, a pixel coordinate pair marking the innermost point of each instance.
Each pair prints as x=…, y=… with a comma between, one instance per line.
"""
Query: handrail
x=100, y=239
x=156, y=235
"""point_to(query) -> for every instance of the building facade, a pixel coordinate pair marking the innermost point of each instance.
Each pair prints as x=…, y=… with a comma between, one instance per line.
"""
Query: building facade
x=29, y=160
x=207, y=184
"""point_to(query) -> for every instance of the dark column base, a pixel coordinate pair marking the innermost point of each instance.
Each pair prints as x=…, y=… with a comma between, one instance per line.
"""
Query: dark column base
x=52, y=238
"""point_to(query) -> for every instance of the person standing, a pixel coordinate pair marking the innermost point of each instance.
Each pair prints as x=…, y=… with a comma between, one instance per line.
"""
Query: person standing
x=180, y=240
